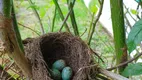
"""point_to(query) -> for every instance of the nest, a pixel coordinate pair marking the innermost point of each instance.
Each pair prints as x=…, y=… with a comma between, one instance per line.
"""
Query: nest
x=43, y=51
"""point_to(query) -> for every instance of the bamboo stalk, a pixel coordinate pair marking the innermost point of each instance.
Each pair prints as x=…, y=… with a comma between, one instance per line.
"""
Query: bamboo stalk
x=119, y=32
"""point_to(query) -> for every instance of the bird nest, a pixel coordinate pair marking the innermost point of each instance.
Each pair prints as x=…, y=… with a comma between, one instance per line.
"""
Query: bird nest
x=45, y=50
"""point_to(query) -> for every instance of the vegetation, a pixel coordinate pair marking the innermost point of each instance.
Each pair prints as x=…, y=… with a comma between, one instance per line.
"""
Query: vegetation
x=34, y=18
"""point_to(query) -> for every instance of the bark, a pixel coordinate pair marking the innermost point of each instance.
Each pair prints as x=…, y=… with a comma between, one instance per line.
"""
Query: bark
x=9, y=40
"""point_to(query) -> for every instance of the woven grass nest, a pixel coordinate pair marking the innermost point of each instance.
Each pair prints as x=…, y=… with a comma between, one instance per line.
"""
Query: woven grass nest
x=44, y=50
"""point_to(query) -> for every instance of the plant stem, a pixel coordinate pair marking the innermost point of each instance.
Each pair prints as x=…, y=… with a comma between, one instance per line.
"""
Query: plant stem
x=119, y=32
x=38, y=17
x=61, y=14
x=53, y=22
x=72, y=16
x=94, y=24
x=15, y=25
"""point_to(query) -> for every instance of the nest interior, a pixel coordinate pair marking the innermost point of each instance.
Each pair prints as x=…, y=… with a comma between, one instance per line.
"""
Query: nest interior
x=48, y=48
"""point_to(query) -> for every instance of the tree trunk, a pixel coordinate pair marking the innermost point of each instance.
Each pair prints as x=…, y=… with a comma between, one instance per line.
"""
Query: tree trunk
x=9, y=40
x=118, y=31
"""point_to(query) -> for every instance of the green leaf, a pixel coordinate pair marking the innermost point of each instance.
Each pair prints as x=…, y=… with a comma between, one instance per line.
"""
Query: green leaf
x=94, y=9
x=134, y=12
x=135, y=36
x=42, y=12
x=93, y=6
x=138, y=1
x=132, y=69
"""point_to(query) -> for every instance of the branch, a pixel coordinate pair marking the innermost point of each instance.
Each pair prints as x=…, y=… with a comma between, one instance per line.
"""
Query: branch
x=94, y=24
x=83, y=32
x=122, y=64
x=38, y=17
x=72, y=17
x=61, y=15
x=29, y=29
x=129, y=13
x=112, y=75
x=64, y=22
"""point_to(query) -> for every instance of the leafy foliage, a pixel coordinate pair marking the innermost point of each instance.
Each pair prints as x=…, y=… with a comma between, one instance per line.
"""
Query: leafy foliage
x=132, y=69
x=135, y=36
x=134, y=12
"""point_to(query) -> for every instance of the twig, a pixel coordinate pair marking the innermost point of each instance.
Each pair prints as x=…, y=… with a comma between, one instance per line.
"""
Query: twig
x=37, y=15
x=83, y=32
x=112, y=75
x=72, y=17
x=86, y=67
x=128, y=23
x=141, y=7
x=91, y=23
x=64, y=22
x=94, y=24
x=29, y=28
x=97, y=55
x=129, y=13
x=122, y=64
x=61, y=15
x=137, y=10
x=67, y=17
x=99, y=2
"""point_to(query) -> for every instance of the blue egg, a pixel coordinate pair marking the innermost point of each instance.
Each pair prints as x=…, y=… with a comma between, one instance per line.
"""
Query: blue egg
x=67, y=73
x=55, y=74
x=59, y=64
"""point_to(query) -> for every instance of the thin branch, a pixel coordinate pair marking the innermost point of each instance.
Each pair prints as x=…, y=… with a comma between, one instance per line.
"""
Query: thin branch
x=64, y=22
x=129, y=13
x=61, y=15
x=128, y=23
x=97, y=55
x=99, y=2
x=38, y=17
x=141, y=7
x=94, y=24
x=112, y=75
x=72, y=17
x=29, y=29
x=83, y=32
x=122, y=64
x=90, y=28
